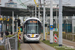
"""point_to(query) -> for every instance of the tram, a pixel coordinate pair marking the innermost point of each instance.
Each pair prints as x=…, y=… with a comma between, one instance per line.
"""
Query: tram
x=32, y=30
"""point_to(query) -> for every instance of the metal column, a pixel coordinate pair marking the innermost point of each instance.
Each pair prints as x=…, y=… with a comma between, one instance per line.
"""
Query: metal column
x=17, y=24
x=51, y=21
x=13, y=22
x=73, y=24
x=2, y=24
x=60, y=22
x=4, y=27
x=8, y=24
x=56, y=16
x=35, y=10
x=16, y=43
x=39, y=11
x=44, y=21
x=0, y=21
x=23, y=19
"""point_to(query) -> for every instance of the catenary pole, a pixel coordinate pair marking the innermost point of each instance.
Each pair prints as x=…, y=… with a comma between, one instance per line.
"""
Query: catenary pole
x=17, y=24
x=39, y=10
x=56, y=15
x=44, y=21
x=60, y=22
x=13, y=22
x=8, y=24
x=35, y=10
x=51, y=21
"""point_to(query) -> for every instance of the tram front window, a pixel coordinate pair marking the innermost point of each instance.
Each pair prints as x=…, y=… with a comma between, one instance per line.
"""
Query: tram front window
x=32, y=28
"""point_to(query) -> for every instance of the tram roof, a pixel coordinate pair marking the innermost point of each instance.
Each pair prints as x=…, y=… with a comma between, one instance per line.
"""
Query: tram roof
x=32, y=18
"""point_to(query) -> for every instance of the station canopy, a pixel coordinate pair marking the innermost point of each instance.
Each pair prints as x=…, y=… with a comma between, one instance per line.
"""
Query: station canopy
x=7, y=11
x=68, y=10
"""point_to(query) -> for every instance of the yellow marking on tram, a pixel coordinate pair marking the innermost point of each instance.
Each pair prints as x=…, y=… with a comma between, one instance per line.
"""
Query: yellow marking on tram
x=32, y=35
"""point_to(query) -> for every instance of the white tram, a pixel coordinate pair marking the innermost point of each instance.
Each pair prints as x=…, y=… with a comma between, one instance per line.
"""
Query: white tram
x=32, y=30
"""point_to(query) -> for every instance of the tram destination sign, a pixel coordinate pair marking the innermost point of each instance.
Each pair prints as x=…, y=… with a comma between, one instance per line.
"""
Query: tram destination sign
x=32, y=21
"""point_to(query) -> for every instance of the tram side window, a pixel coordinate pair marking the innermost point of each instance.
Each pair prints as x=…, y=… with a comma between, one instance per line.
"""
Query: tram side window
x=40, y=29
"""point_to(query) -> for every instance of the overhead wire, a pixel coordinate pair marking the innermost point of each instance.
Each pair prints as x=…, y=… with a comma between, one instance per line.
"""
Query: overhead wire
x=21, y=2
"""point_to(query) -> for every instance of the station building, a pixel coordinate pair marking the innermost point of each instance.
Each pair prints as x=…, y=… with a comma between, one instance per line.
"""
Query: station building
x=68, y=13
x=10, y=3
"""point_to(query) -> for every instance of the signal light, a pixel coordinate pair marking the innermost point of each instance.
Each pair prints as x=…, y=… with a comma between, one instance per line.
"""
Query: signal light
x=18, y=22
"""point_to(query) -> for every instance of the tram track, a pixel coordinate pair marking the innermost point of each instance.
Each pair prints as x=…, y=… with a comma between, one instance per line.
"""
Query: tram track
x=30, y=47
x=41, y=47
x=35, y=46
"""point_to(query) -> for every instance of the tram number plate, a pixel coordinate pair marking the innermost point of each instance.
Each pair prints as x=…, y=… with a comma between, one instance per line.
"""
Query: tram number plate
x=32, y=35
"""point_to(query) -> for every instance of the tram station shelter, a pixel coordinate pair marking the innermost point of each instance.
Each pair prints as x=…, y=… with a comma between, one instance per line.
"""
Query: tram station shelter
x=10, y=13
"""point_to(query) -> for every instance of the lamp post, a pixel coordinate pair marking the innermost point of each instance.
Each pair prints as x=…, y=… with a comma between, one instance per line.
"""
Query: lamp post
x=13, y=22
x=60, y=22
x=0, y=9
x=51, y=21
x=35, y=11
x=67, y=23
x=39, y=10
x=44, y=21
x=56, y=14
x=0, y=14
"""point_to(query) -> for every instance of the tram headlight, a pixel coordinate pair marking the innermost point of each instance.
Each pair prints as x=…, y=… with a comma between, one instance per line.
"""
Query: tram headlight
x=37, y=35
x=28, y=35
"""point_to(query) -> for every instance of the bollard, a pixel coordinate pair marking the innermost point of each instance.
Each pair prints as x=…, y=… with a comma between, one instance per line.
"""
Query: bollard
x=55, y=38
x=20, y=37
x=19, y=34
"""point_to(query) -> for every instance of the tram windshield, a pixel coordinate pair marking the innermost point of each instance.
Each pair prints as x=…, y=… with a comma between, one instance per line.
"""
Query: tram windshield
x=32, y=27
